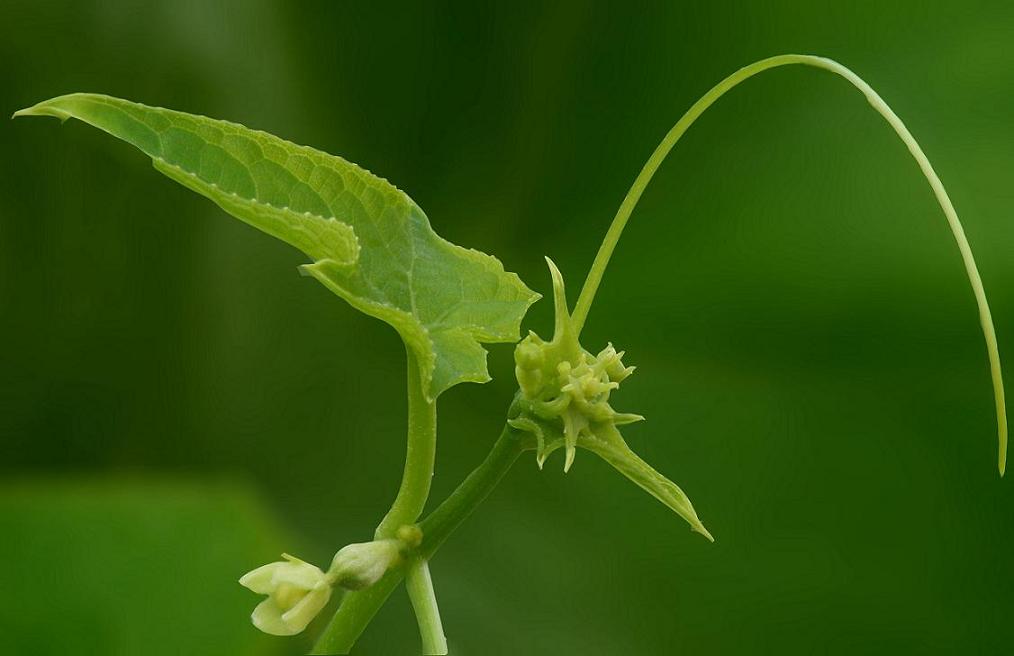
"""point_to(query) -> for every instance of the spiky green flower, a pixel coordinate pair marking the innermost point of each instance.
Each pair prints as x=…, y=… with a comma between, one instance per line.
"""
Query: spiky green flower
x=564, y=402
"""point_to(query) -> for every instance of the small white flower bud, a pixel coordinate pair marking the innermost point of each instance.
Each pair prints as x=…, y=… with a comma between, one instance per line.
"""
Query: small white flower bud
x=359, y=566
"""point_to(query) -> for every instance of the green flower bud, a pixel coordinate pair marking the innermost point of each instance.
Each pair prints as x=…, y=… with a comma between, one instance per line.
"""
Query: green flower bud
x=359, y=566
x=529, y=359
x=612, y=363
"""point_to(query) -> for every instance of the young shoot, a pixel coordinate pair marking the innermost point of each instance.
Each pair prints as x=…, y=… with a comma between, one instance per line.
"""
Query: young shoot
x=371, y=245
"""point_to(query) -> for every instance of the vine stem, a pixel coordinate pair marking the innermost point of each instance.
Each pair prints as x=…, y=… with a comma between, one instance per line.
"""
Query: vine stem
x=355, y=613
x=598, y=267
x=424, y=603
x=439, y=524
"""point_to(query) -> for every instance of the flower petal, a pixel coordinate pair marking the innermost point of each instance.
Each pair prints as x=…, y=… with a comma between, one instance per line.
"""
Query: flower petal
x=268, y=618
x=302, y=575
x=303, y=612
x=260, y=579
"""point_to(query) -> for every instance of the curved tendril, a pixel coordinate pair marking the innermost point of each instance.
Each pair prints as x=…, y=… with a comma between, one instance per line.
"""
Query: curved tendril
x=630, y=201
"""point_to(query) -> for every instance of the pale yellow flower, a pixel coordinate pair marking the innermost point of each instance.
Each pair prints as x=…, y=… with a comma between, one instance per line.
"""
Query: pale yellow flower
x=296, y=592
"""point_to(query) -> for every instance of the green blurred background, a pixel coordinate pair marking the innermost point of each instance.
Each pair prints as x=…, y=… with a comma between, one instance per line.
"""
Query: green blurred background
x=177, y=405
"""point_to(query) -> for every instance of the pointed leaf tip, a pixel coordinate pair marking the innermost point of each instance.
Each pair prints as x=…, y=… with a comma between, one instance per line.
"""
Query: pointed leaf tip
x=44, y=108
x=703, y=531
x=27, y=111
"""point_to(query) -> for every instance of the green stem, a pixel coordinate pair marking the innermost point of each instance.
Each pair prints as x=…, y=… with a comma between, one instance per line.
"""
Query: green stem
x=424, y=602
x=630, y=201
x=420, y=454
x=439, y=524
x=356, y=611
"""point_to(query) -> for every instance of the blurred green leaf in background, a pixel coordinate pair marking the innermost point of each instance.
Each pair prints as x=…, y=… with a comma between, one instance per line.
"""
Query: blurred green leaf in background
x=124, y=566
x=177, y=404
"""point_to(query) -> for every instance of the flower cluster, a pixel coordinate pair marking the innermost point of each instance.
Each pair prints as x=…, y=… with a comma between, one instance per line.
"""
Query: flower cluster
x=564, y=399
x=564, y=403
x=297, y=591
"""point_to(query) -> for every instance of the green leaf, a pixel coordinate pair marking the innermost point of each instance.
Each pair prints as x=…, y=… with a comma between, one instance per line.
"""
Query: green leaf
x=124, y=566
x=371, y=244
